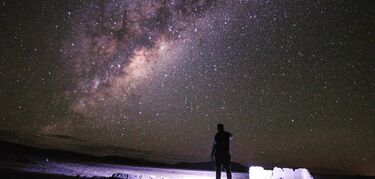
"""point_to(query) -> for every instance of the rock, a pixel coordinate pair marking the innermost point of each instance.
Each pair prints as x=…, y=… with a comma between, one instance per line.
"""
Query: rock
x=256, y=172
x=129, y=176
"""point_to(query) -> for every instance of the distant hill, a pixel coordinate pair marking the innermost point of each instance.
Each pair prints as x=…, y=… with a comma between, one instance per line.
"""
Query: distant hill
x=14, y=151
x=210, y=166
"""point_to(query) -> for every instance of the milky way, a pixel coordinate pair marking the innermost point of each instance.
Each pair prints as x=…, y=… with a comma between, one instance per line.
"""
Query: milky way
x=119, y=49
x=155, y=77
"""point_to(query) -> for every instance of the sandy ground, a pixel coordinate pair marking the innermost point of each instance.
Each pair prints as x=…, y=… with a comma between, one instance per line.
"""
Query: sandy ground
x=107, y=170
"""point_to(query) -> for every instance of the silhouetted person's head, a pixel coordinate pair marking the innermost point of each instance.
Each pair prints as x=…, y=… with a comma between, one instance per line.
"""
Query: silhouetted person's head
x=220, y=127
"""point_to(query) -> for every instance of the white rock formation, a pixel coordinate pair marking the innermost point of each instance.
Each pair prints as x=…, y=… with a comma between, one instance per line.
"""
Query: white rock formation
x=257, y=172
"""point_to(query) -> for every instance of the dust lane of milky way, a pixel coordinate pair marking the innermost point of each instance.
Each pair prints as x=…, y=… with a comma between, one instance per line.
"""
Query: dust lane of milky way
x=124, y=45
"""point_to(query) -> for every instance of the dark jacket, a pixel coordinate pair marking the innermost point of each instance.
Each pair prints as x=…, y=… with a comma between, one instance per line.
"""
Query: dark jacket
x=221, y=145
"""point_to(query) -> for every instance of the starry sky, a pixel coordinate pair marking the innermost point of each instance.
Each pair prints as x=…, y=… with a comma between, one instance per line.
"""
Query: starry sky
x=292, y=80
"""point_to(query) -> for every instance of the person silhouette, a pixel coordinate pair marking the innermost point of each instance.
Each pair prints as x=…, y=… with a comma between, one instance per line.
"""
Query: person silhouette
x=220, y=152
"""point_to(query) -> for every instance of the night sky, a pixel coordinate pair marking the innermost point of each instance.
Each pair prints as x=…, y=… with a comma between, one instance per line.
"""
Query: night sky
x=294, y=81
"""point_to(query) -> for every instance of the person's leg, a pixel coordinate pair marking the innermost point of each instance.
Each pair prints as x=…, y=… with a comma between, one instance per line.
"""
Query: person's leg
x=227, y=170
x=218, y=169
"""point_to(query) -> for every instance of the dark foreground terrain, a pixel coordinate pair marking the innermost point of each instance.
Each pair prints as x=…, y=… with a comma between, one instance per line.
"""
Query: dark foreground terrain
x=21, y=161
